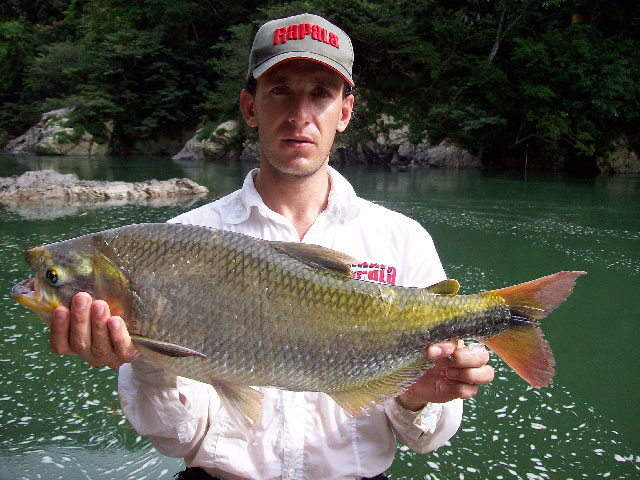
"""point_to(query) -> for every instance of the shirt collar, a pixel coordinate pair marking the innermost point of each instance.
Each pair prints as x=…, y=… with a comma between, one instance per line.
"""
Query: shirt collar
x=343, y=202
x=341, y=206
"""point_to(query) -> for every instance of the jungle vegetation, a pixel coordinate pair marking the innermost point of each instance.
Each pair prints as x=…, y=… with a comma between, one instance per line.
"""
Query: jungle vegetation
x=507, y=79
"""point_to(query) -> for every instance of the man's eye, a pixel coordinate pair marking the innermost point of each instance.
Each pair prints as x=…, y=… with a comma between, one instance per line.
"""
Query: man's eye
x=279, y=91
x=322, y=93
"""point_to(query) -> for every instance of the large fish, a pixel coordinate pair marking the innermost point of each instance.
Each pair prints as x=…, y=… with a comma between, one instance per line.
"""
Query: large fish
x=235, y=312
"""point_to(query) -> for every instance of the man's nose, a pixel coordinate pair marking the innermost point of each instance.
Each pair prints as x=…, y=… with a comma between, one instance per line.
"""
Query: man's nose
x=300, y=110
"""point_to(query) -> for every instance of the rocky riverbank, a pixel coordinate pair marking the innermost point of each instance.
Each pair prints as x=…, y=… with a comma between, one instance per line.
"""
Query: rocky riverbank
x=387, y=142
x=49, y=187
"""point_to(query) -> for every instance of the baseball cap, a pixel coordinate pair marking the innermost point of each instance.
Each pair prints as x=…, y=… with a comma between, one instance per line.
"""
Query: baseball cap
x=304, y=36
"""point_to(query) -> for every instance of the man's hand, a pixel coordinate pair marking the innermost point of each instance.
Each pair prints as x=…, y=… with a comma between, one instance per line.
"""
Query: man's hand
x=89, y=331
x=457, y=372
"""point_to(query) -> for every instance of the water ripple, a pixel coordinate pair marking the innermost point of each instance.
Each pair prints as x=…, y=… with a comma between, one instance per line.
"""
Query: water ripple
x=513, y=431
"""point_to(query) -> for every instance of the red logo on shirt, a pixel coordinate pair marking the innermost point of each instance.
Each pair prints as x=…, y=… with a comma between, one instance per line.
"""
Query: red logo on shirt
x=374, y=272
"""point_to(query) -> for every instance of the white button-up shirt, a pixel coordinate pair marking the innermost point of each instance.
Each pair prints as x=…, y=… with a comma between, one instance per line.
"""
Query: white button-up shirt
x=299, y=435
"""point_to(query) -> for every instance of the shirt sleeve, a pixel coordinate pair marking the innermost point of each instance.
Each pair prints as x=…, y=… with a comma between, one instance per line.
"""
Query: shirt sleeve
x=427, y=429
x=150, y=399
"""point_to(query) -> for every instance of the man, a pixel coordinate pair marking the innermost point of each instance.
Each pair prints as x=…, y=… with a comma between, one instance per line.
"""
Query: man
x=296, y=97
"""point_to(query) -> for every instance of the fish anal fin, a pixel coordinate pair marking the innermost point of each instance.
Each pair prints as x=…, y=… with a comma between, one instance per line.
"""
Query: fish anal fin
x=165, y=348
x=525, y=350
x=446, y=287
x=242, y=403
x=318, y=257
x=356, y=401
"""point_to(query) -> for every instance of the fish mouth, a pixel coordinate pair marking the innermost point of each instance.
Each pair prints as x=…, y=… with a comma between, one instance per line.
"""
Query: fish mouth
x=28, y=293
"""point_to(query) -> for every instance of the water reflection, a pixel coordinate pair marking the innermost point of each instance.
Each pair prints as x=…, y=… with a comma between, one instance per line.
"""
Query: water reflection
x=56, y=208
x=61, y=419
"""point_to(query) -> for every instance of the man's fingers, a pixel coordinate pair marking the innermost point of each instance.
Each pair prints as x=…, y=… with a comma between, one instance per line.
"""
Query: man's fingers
x=121, y=341
x=441, y=350
x=101, y=348
x=59, y=338
x=80, y=325
x=472, y=356
x=477, y=376
x=457, y=389
x=88, y=330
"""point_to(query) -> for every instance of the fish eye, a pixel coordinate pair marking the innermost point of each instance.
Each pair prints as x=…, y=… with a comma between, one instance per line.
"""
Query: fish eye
x=52, y=276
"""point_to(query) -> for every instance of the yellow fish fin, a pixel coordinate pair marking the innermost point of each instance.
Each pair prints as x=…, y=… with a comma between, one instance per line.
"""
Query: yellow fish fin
x=317, y=257
x=378, y=392
x=242, y=403
x=446, y=287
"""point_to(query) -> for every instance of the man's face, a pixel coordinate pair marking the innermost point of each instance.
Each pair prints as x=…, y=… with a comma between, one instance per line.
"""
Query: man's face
x=298, y=108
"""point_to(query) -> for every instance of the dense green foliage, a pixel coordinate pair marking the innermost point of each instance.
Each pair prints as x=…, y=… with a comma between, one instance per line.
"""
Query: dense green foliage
x=553, y=81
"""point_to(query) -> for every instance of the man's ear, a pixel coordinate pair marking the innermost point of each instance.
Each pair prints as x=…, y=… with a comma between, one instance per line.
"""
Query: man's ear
x=345, y=114
x=247, y=106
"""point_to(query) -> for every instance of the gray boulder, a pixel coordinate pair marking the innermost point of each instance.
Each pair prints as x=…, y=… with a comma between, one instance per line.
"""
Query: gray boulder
x=53, y=135
x=250, y=153
x=446, y=155
x=37, y=187
x=217, y=146
x=621, y=159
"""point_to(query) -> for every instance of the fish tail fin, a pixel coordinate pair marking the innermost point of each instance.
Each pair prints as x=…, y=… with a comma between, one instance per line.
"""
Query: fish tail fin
x=522, y=346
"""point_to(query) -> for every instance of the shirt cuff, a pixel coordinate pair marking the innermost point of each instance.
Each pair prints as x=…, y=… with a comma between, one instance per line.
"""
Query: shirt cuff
x=427, y=429
x=149, y=398
x=425, y=420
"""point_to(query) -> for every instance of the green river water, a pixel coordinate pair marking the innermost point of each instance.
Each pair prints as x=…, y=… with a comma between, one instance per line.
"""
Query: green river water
x=60, y=418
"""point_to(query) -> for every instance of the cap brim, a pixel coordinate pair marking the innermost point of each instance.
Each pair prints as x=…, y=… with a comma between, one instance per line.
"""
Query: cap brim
x=267, y=65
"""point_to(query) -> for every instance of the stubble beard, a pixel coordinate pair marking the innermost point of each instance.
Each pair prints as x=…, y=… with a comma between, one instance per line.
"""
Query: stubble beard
x=292, y=174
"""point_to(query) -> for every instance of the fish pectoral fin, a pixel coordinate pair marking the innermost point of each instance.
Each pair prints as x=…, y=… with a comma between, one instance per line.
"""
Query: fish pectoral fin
x=356, y=401
x=242, y=403
x=317, y=257
x=446, y=287
x=165, y=348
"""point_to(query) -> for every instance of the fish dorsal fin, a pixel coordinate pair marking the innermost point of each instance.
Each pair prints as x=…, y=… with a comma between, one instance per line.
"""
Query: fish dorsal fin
x=317, y=257
x=446, y=287
x=356, y=401
x=165, y=348
x=242, y=403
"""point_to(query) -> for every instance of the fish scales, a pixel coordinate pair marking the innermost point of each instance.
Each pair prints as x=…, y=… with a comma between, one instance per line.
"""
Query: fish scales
x=244, y=289
x=369, y=321
x=235, y=311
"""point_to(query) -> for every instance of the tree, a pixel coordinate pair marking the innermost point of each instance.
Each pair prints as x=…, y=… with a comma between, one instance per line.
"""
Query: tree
x=503, y=78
